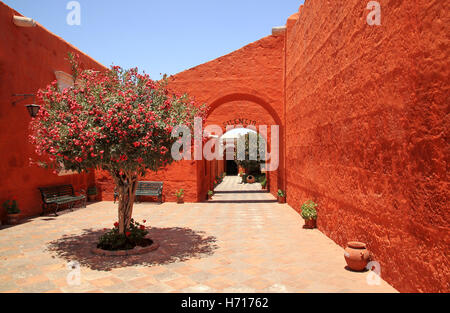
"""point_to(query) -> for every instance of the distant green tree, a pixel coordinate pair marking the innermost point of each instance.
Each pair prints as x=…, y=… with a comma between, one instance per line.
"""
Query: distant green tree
x=255, y=151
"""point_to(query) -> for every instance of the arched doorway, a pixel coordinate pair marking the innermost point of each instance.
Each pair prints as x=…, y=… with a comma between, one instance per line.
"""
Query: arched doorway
x=245, y=110
x=229, y=141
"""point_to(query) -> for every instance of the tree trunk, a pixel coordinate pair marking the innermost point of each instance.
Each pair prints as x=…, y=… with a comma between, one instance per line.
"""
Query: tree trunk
x=126, y=187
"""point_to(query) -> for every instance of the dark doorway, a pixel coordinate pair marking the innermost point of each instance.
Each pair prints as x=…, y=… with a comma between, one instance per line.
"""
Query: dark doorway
x=232, y=168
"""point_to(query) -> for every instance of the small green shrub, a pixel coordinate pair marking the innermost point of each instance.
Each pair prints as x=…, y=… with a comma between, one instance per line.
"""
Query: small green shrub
x=180, y=193
x=210, y=193
x=134, y=236
x=281, y=193
x=92, y=191
x=263, y=181
x=11, y=207
x=309, y=211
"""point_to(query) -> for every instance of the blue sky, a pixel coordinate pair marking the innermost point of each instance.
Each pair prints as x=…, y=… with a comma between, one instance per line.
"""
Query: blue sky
x=164, y=36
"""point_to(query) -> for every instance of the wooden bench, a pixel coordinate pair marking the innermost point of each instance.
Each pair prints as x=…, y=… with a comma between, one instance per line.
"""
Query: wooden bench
x=147, y=189
x=57, y=196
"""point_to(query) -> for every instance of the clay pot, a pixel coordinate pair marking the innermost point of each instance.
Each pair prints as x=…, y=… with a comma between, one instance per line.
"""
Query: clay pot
x=13, y=219
x=251, y=179
x=357, y=256
x=210, y=197
x=180, y=200
x=310, y=224
x=281, y=200
x=92, y=198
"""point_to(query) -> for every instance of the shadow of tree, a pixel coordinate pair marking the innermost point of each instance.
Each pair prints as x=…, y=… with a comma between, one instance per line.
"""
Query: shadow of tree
x=176, y=245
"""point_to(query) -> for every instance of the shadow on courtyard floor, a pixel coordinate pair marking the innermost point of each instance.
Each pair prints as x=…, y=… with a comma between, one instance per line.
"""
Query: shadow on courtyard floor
x=176, y=245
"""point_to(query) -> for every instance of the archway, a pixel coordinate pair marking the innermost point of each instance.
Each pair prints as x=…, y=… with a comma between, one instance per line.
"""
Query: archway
x=243, y=110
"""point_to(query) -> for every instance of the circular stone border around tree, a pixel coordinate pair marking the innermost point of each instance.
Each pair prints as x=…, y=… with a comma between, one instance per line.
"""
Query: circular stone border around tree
x=136, y=251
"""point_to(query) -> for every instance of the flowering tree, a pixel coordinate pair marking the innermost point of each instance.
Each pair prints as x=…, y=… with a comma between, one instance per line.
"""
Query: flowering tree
x=117, y=120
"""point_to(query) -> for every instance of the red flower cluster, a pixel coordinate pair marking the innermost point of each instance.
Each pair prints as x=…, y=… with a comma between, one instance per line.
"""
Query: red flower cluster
x=118, y=118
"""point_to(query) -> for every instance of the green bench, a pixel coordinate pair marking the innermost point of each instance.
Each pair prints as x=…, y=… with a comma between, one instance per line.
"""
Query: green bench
x=57, y=196
x=146, y=189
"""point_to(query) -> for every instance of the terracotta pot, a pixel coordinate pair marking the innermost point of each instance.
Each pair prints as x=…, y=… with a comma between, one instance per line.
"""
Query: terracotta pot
x=357, y=256
x=13, y=219
x=92, y=198
x=180, y=200
x=210, y=197
x=310, y=224
x=281, y=200
x=251, y=179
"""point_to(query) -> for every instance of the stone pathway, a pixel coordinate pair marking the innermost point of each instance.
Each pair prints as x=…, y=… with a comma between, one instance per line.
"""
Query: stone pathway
x=221, y=246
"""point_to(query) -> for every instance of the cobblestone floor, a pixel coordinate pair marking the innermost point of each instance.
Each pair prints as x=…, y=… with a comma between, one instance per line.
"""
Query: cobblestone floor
x=241, y=241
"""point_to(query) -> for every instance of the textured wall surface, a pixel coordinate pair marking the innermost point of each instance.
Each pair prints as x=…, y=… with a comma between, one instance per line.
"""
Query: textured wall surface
x=28, y=59
x=367, y=122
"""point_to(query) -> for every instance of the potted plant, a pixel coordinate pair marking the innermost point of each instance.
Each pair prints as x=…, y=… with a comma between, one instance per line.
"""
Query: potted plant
x=309, y=213
x=92, y=194
x=251, y=179
x=210, y=194
x=12, y=211
x=180, y=196
x=281, y=197
x=264, y=184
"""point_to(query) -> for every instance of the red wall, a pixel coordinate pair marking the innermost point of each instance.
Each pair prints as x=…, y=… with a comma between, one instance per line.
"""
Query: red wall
x=366, y=132
x=179, y=175
x=28, y=59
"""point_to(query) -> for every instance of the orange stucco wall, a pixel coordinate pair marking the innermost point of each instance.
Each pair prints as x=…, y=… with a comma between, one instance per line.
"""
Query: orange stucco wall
x=28, y=59
x=367, y=133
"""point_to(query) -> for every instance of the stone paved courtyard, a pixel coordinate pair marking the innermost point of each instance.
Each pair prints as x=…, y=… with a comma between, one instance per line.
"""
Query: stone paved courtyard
x=226, y=245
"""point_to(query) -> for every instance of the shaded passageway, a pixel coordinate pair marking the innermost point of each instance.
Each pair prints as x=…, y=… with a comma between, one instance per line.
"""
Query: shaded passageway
x=231, y=190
